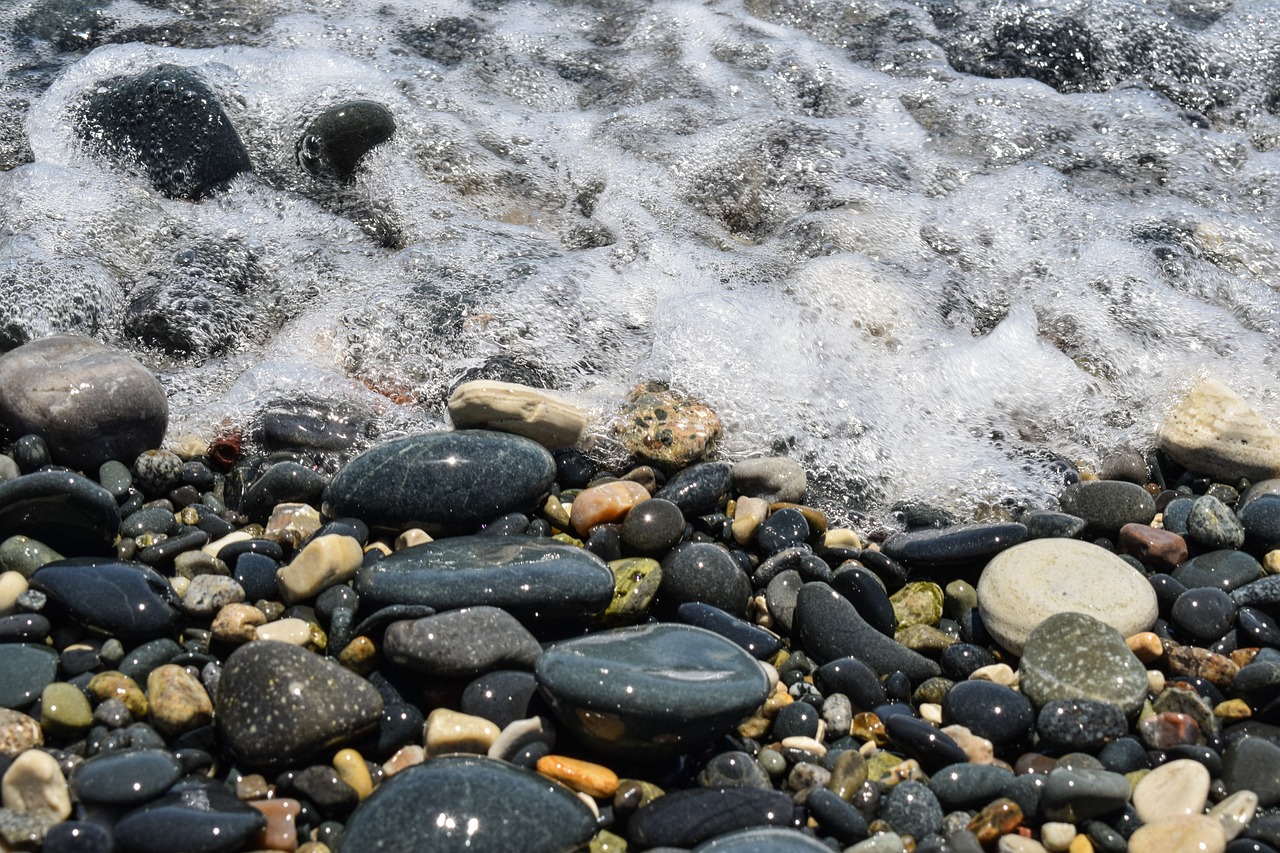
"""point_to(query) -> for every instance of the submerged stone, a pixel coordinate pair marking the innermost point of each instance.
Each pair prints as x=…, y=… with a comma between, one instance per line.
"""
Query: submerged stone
x=336, y=140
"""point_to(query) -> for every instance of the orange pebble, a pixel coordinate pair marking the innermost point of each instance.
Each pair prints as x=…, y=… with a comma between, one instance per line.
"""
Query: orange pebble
x=604, y=504
x=282, y=828
x=592, y=779
x=1146, y=646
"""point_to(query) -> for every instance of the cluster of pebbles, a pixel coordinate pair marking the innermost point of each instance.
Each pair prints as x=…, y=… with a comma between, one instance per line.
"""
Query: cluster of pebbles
x=467, y=640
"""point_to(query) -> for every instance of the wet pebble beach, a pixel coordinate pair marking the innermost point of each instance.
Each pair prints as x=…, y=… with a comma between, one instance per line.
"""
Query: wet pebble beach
x=487, y=639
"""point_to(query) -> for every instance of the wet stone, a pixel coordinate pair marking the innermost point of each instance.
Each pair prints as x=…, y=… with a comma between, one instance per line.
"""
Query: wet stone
x=336, y=140
x=1080, y=725
x=969, y=786
x=1214, y=525
x=954, y=546
x=912, y=809
x=867, y=594
x=1108, y=505
x=197, y=818
x=61, y=507
x=666, y=429
x=1047, y=524
x=773, y=479
x=783, y=529
x=653, y=527
x=1075, y=656
x=700, y=571
x=923, y=742
x=992, y=711
x=1160, y=549
x=516, y=573
x=1204, y=613
x=918, y=603
x=1253, y=764
x=462, y=477
x=854, y=679
x=1225, y=569
x=1077, y=795
x=757, y=642
x=734, y=770
x=462, y=642
x=698, y=489
x=650, y=704
x=127, y=777
x=689, y=817
x=1174, y=789
x=830, y=628
x=121, y=598
x=283, y=482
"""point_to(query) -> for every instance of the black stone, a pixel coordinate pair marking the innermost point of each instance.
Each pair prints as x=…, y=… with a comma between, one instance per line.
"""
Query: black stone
x=784, y=528
x=961, y=660
x=923, y=742
x=1108, y=505
x=968, y=786
x=256, y=574
x=1124, y=755
x=1204, y=614
x=700, y=571
x=120, y=598
x=1253, y=764
x=125, y=778
x=855, y=679
x=867, y=596
x=73, y=513
x=284, y=482
x=78, y=836
x=197, y=819
x=25, y=670
x=689, y=817
x=830, y=628
x=27, y=628
x=1080, y=725
x=912, y=809
x=993, y=711
x=698, y=489
x=501, y=696
x=1047, y=524
x=961, y=545
x=734, y=769
x=336, y=140
x=1225, y=569
x=757, y=642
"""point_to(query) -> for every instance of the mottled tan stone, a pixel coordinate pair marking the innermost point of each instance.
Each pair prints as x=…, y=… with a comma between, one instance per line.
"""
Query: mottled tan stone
x=978, y=749
x=34, y=785
x=325, y=561
x=1214, y=431
x=1187, y=834
x=117, y=685
x=404, y=758
x=450, y=731
x=508, y=407
x=748, y=515
x=1173, y=789
x=351, y=769
x=12, y=585
x=1146, y=646
x=412, y=536
x=237, y=623
x=281, y=832
x=665, y=428
x=1195, y=661
x=179, y=702
x=292, y=523
x=18, y=733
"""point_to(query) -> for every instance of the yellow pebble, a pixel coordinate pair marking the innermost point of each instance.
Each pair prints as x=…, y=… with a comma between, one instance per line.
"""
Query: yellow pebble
x=1080, y=844
x=1233, y=709
x=352, y=770
x=594, y=779
x=1146, y=646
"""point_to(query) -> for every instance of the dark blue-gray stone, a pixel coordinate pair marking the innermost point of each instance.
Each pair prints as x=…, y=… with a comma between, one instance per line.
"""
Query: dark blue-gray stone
x=64, y=510
x=1076, y=795
x=912, y=809
x=256, y=574
x=784, y=528
x=139, y=662
x=961, y=660
x=1075, y=656
x=283, y=482
x=701, y=571
x=855, y=679
x=780, y=596
x=993, y=711
x=1108, y=505
x=926, y=743
x=961, y=545
x=517, y=573
x=469, y=805
x=1260, y=515
x=1124, y=755
x=501, y=696
x=735, y=769
x=835, y=816
x=650, y=690
x=197, y=819
x=653, y=526
x=1080, y=725
x=830, y=628
x=25, y=628
x=336, y=140
x=1258, y=627
x=1047, y=524
x=152, y=520
x=698, y=489
x=25, y=670
x=1176, y=515
x=1213, y=524
x=461, y=643
x=462, y=477
x=757, y=642
x=968, y=786
x=402, y=724
x=774, y=839
x=1264, y=593
x=167, y=122
x=1225, y=569
x=868, y=597
x=277, y=703
x=117, y=597
x=125, y=777
x=1253, y=764
x=1026, y=791
x=689, y=817
x=78, y=836
x=1204, y=614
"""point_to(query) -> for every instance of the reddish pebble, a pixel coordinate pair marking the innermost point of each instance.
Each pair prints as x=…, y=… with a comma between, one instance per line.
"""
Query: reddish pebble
x=282, y=827
x=1160, y=549
x=605, y=504
x=1169, y=729
x=1202, y=663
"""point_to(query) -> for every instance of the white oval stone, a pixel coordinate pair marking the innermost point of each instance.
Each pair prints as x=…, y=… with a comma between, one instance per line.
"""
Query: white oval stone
x=1171, y=790
x=1187, y=834
x=34, y=784
x=1026, y=584
x=1017, y=844
x=1235, y=812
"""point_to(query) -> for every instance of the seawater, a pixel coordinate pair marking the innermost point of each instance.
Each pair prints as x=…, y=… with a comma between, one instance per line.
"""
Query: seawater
x=916, y=246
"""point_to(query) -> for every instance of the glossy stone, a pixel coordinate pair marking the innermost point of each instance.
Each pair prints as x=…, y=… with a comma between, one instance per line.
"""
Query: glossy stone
x=517, y=573
x=757, y=642
x=476, y=804
x=61, y=507
x=463, y=642
x=462, y=477
x=196, y=819
x=1253, y=764
x=689, y=817
x=992, y=711
x=1077, y=795
x=1225, y=569
x=830, y=628
x=1072, y=655
x=969, y=786
x=853, y=678
x=336, y=140
x=868, y=597
x=653, y=527
x=25, y=670
x=954, y=546
x=698, y=489
x=1108, y=505
x=283, y=482
x=119, y=598
x=1204, y=614
x=700, y=571
x=127, y=777
x=924, y=742
x=651, y=690
x=1213, y=524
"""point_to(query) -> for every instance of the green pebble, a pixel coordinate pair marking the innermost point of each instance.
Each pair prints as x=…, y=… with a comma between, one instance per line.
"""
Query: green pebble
x=112, y=651
x=635, y=582
x=191, y=564
x=848, y=772
x=924, y=639
x=24, y=555
x=880, y=763
x=64, y=710
x=918, y=603
x=116, y=478
x=606, y=842
x=933, y=690
x=961, y=597
x=773, y=762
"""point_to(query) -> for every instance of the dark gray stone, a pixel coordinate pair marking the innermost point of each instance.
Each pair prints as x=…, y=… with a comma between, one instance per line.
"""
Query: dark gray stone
x=125, y=777
x=757, y=642
x=120, y=598
x=461, y=643
x=1047, y=524
x=1108, y=505
x=701, y=571
x=653, y=527
x=75, y=514
x=463, y=478
x=1080, y=725
x=698, y=489
x=689, y=817
x=961, y=545
x=1253, y=764
x=830, y=628
x=1074, y=656
x=283, y=482
x=774, y=478
x=474, y=804
x=1076, y=795
x=336, y=140
x=1213, y=524
x=1204, y=614
x=968, y=786
x=195, y=819
x=998, y=713
x=912, y=809
x=1225, y=569
x=25, y=670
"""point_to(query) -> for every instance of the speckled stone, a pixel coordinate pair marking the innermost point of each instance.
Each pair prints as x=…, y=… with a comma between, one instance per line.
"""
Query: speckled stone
x=516, y=573
x=125, y=777
x=197, y=818
x=636, y=582
x=463, y=642
x=969, y=786
x=1080, y=725
x=1213, y=524
x=669, y=688
x=178, y=700
x=278, y=703
x=912, y=809
x=1028, y=583
x=462, y=477
x=992, y=711
x=665, y=428
x=455, y=802
x=1108, y=505
x=1075, y=656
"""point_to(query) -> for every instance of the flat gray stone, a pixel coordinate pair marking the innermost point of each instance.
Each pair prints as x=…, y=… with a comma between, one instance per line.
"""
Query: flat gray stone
x=1075, y=656
x=459, y=643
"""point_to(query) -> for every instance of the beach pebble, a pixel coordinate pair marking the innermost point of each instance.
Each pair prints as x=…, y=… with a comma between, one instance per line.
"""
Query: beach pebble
x=89, y=403
x=1108, y=505
x=1226, y=569
x=455, y=802
x=62, y=507
x=1160, y=549
x=191, y=818
x=461, y=643
x=462, y=477
x=774, y=479
x=1235, y=812
x=698, y=489
x=1075, y=795
x=653, y=527
x=830, y=628
x=21, y=556
x=1214, y=431
x=1213, y=524
x=1204, y=614
x=1253, y=764
x=912, y=809
x=64, y=710
x=594, y=780
x=1186, y=834
x=178, y=700
x=448, y=732
x=670, y=688
x=122, y=598
x=281, y=814
x=34, y=784
x=636, y=582
x=664, y=428
x=1025, y=585
x=1080, y=725
x=701, y=571
x=325, y=561
x=125, y=777
x=25, y=670
x=1075, y=656
x=606, y=504
x=1174, y=789
x=958, y=545
x=277, y=703
x=689, y=817
x=927, y=744
x=205, y=595
x=533, y=413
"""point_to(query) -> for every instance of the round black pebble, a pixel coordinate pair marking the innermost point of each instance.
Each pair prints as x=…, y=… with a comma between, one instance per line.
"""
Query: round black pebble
x=1203, y=613
x=783, y=529
x=653, y=527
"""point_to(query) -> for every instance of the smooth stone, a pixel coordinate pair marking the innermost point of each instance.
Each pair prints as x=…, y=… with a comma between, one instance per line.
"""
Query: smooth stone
x=636, y=583
x=698, y=489
x=960, y=545
x=1080, y=725
x=1226, y=569
x=125, y=777
x=283, y=482
x=18, y=733
x=1214, y=431
x=449, y=731
x=1187, y=834
x=256, y=574
x=72, y=511
x=607, y=503
x=179, y=702
x=665, y=428
x=969, y=786
x=1263, y=592
x=1204, y=614
x=830, y=628
x=78, y=836
x=1075, y=656
x=989, y=710
x=64, y=710
x=734, y=769
x=669, y=688
x=962, y=660
x=456, y=803
x=691, y=816
x=912, y=809
x=461, y=643
x=1213, y=524
x=198, y=819
x=1261, y=520
x=119, y=598
x=918, y=603
x=1049, y=524
x=653, y=527
x=701, y=571
x=780, y=595
x=1172, y=790
x=1160, y=549
x=1027, y=584
x=323, y=562
x=1235, y=812
x=205, y=595
x=852, y=678
x=22, y=555
x=150, y=520
x=1258, y=627
x=118, y=408
x=1108, y=505
x=278, y=703
x=867, y=594
x=757, y=642
x=775, y=479
x=925, y=743
x=336, y=140
x=518, y=409
x=1077, y=795
x=782, y=529
x=517, y=573
x=462, y=477
x=501, y=696
x=1175, y=515
x=772, y=839
x=33, y=784
x=1253, y=764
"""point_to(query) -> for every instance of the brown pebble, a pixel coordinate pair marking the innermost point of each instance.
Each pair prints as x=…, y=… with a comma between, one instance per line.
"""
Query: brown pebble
x=117, y=685
x=1244, y=657
x=237, y=623
x=605, y=504
x=595, y=780
x=1161, y=549
x=1169, y=729
x=18, y=733
x=281, y=832
x=254, y=786
x=351, y=769
x=1232, y=710
x=999, y=818
x=404, y=758
x=1034, y=762
x=1202, y=663
x=179, y=702
x=1146, y=646
x=360, y=655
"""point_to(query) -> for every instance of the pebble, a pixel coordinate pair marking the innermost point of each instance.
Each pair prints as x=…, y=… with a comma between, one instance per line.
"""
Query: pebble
x=830, y=628
x=959, y=545
x=923, y=742
x=460, y=643
x=449, y=732
x=64, y=710
x=1215, y=432
x=1022, y=587
x=281, y=815
x=594, y=780
x=197, y=818
x=689, y=817
x=1075, y=656
x=1253, y=764
x=636, y=583
x=1214, y=525
x=18, y=733
x=757, y=642
x=912, y=809
x=125, y=777
x=89, y=403
x=653, y=526
x=1161, y=549
x=1171, y=790
x=607, y=503
x=322, y=563
x=120, y=598
x=1235, y=812
x=1075, y=795
x=521, y=410
x=665, y=428
x=698, y=489
x=773, y=479
x=1108, y=505
x=1225, y=569
x=178, y=701
x=1080, y=725
x=456, y=802
x=650, y=690
x=1187, y=834
x=207, y=594
x=278, y=703
x=62, y=507
x=869, y=598
x=33, y=784
x=1204, y=613
x=703, y=572
x=21, y=556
